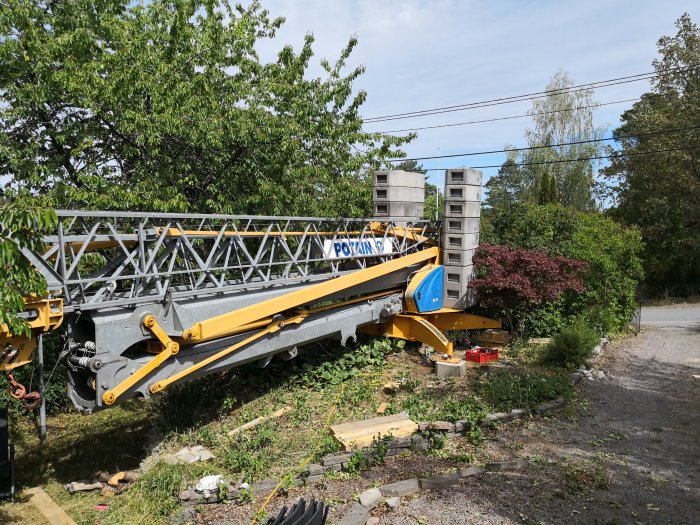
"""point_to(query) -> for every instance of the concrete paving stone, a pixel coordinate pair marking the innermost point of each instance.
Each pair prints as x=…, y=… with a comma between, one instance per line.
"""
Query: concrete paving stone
x=373, y=520
x=500, y=466
x=357, y=515
x=471, y=471
x=417, y=439
x=370, y=498
x=264, y=487
x=423, y=426
x=336, y=459
x=314, y=479
x=442, y=426
x=443, y=369
x=519, y=413
x=462, y=425
x=550, y=406
x=315, y=469
x=404, y=487
x=497, y=418
x=440, y=482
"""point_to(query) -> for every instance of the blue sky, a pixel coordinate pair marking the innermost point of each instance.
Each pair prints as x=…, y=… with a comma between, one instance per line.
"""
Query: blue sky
x=425, y=54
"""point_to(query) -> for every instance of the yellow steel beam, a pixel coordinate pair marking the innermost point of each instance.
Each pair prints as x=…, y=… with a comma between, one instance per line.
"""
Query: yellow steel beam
x=449, y=319
x=170, y=348
x=272, y=328
x=413, y=327
x=225, y=324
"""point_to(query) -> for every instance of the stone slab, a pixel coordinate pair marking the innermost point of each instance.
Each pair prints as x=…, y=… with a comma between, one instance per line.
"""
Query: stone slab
x=357, y=515
x=401, y=488
x=440, y=482
x=444, y=369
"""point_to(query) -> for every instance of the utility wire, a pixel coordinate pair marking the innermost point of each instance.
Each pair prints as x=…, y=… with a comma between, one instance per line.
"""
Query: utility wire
x=544, y=146
x=509, y=117
x=528, y=96
x=581, y=159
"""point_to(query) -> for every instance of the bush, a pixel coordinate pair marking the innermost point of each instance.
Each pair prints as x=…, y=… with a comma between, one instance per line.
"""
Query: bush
x=611, y=253
x=572, y=346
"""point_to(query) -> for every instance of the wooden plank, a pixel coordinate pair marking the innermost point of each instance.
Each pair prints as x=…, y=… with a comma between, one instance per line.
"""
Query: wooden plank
x=48, y=507
x=359, y=434
x=255, y=422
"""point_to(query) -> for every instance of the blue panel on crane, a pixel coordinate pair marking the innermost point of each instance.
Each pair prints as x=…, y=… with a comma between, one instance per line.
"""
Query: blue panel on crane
x=428, y=295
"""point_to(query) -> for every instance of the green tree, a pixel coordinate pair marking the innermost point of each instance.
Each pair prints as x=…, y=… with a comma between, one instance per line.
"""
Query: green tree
x=21, y=227
x=165, y=105
x=562, y=116
x=659, y=191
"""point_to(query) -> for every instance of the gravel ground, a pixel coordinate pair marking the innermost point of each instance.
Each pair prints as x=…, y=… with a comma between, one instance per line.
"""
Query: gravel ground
x=627, y=453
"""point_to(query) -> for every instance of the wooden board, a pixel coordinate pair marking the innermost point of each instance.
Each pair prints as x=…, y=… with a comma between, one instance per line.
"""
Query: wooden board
x=359, y=434
x=48, y=507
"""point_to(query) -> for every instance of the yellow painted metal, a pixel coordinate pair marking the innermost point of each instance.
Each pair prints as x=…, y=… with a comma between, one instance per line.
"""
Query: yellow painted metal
x=412, y=327
x=225, y=324
x=272, y=328
x=449, y=319
x=175, y=232
x=46, y=315
x=170, y=348
x=350, y=301
x=417, y=278
x=409, y=233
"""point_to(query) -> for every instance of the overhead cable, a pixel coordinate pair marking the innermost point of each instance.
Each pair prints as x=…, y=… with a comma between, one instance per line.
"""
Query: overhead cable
x=525, y=97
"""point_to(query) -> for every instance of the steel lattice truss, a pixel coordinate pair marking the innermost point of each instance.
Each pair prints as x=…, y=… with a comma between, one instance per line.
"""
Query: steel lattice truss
x=103, y=259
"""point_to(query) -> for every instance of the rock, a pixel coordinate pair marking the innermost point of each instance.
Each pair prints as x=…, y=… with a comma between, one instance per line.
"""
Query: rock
x=392, y=387
x=336, y=458
x=582, y=367
x=499, y=466
x=373, y=521
x=82, y=486
x=440, y=482
x=186, y=515
x=393, y=503
x=471, y=471
x=193, y=454
x=423, y=426
x=599, y=374
x=108, y=492
x=452, y=435
x=209, y=484
x=575, y=378
x=404, y=487
x=370, y=498
x=357, y=515
x=401, y=442
x=518, y=413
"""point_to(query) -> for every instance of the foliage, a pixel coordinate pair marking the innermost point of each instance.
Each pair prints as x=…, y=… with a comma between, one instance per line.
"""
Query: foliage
x=610, y=251
x=516, y=279
x=21, y=226
x=505, y=390
x=251, y=452
x=433, y=404
x=658, y=192
x=166, y=105
x=538, y=175
x=572, y=346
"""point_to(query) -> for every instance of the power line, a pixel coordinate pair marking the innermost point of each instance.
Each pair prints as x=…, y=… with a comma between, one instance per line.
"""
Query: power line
x=581, y=159
x=509, y=117
x=528, y=96
x=544, y=146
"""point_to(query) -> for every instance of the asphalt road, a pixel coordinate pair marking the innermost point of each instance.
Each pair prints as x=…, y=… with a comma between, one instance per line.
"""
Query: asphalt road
x=682, y=316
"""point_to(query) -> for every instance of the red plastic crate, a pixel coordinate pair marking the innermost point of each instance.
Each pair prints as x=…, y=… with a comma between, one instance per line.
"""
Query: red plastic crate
x=482, y=355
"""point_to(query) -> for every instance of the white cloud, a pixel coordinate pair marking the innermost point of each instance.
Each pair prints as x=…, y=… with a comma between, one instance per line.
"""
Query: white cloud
x=423, y=54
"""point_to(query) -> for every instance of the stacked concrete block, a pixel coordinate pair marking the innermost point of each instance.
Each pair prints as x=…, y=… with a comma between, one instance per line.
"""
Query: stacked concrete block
x=460, y=236
x=399, y=195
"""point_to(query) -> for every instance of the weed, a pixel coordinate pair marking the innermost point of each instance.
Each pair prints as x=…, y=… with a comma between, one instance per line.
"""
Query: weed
x=506, y=389
x=251, y=453
x=586, y=475
x=327, y=445
x=358, y=462
x=572, y=346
